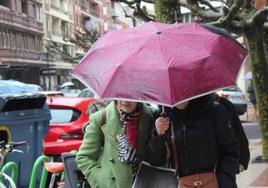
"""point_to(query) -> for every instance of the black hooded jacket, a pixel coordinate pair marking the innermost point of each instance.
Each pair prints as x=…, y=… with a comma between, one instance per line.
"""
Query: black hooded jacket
x=239, y=132
x=205, y=141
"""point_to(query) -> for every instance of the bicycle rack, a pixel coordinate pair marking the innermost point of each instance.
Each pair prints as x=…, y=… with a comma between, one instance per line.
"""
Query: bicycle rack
x=14, y=170
x=39, y=161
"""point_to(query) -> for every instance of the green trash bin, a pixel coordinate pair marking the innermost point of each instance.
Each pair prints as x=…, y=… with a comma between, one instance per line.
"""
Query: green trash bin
x=26, y=116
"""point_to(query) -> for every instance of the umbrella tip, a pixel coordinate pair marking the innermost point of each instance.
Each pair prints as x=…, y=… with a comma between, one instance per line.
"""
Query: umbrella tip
x=158, y=32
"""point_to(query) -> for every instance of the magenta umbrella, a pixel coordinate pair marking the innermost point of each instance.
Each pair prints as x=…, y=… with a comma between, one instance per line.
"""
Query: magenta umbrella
x=161, y=63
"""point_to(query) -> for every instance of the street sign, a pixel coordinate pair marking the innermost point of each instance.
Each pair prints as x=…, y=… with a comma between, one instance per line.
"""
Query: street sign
x=48, y=71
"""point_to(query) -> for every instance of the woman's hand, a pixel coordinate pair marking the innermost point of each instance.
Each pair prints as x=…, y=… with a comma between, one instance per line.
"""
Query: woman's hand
x=162, y=125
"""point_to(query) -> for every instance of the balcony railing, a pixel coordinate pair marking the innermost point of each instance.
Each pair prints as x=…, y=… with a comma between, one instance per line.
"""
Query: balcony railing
x=20, y=21
x=19, y=54
x=54, y=7
x=57, y=33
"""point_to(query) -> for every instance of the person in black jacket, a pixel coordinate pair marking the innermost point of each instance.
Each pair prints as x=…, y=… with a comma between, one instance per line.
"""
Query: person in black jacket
x=205, y=141
x=239, y=132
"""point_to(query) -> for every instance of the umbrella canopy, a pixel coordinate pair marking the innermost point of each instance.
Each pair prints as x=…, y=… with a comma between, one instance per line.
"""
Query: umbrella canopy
x=161, y=63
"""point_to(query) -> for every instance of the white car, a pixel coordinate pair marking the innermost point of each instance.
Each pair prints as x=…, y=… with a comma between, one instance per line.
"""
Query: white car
x=235, y=95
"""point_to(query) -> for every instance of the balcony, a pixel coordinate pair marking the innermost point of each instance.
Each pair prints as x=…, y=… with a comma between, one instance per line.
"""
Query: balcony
x=90, y=10
x=55, y=7
x=19, y=21
x=19, y=55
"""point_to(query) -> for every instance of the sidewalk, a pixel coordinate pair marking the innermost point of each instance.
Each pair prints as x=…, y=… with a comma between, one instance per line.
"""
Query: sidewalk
x=256, y=176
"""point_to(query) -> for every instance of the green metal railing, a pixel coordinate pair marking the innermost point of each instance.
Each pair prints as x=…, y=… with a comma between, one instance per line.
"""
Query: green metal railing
x=39, y=162
x=12, y=168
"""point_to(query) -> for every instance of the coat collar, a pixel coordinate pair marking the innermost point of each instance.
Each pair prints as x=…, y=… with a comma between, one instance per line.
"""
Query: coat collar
x=114, y=124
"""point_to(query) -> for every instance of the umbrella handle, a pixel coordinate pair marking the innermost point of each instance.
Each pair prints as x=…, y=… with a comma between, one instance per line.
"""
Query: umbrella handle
x=163, y=113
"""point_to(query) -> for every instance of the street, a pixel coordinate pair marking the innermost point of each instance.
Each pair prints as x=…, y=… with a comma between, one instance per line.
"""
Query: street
x=252, y=130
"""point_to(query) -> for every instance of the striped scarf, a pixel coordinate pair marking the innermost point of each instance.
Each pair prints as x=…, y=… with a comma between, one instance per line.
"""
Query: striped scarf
x=128, y=139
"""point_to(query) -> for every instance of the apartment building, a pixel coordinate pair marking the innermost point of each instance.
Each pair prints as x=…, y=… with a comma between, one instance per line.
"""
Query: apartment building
x=59, y=50
x=87, y=25
x=21, y=31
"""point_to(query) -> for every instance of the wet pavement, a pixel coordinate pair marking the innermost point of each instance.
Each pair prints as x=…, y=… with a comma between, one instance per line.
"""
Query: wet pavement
x=256, y=176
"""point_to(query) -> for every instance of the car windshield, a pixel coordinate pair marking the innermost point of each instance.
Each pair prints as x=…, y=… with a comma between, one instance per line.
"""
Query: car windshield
x=86, y=93
x=64, y=115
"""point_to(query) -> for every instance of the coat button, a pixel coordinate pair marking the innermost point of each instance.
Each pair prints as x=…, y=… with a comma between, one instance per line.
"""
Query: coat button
x=112, y=160
x=112, y=177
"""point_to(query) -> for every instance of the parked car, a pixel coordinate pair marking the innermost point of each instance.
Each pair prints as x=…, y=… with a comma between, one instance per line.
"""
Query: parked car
x=68, y=116
x=16, y=87
x=236, y=96
x=86, y=93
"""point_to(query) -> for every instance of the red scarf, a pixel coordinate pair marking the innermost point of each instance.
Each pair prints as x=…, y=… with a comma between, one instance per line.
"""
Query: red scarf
x=132, y=132
x=131, y=121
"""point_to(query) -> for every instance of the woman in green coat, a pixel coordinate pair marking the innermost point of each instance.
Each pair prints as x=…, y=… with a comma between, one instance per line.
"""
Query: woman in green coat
x=114, y=143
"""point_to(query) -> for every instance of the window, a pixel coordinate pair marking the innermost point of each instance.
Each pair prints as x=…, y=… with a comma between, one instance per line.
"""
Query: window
x=65, y=48
x=19, y=41
x=64, y=115
x=24, y=8
x=1, y=39
x=7, y=39
x=12, y=40
x=25, y=41
x=37, y=44
x=38, y=13
x=5, y=3
x=30, y=42
x=4, y=39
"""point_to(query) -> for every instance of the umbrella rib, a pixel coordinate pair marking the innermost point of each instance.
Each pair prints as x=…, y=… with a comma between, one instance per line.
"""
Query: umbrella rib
x=168, y=68
x=134, y=53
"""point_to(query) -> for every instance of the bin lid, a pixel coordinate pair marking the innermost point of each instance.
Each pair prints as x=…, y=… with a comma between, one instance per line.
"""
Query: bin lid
x=22, y=101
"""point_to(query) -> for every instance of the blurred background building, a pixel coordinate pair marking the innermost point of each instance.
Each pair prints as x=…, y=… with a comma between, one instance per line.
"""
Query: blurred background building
x=21, y=31
x=42, y=40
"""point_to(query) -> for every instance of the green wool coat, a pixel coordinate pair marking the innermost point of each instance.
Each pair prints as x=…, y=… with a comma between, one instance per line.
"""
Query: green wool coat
x=97, y=157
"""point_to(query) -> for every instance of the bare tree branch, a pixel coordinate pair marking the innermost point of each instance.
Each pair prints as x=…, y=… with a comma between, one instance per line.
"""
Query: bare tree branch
x=236, y=27
x=140, y=13
x=259, y=17
x=128, y=16
x=232, y=12
x=248, y=4
x=207, y=3
x=148, y=1
x=129, y=3
x=207, y=14
x=222, y=1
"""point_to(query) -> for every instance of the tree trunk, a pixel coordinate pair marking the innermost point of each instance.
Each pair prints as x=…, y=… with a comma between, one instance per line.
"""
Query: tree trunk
x=255, y=40
x=165, y=11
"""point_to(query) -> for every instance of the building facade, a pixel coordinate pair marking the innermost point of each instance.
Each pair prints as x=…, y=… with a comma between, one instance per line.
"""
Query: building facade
x=41, y=41
x=58, y=49
x=21, y=31
x=87, y=24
